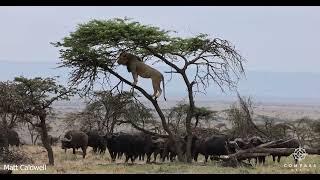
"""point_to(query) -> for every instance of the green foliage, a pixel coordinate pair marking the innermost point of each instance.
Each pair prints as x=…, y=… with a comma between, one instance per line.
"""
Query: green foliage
x=91, y=50
x=178, y=113
x=38, y=93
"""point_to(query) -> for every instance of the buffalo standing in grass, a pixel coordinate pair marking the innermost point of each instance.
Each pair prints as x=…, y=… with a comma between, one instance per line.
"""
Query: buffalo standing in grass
x=13, y=138
x=212, y=146
x=121, y=143
x=96, y=141
x=250, y=143
x=75, y=139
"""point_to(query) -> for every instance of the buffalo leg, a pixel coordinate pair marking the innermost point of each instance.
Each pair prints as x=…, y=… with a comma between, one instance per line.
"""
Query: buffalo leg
x=196, y=157
x=127, y=158
x=119, y=155
x=155, y=156
x=73, y=150
x=206, y=158
x=148, y=157
x=279, y=157
x=274, y=158
x=113, y=156
x=84, y=151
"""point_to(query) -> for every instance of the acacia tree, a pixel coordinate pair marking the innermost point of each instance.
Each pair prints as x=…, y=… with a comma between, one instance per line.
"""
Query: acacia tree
x=177, y=114
x=9, y=116
x=92, y=49
x=102, y=112
x=36, y=97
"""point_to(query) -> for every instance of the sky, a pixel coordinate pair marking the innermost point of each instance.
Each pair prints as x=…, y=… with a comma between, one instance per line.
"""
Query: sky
x=280, y=44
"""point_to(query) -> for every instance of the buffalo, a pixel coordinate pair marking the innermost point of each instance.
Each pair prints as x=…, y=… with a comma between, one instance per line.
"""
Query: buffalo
x=3, y=141
x=158, y=147
x=119, y=143
x=214, y=145
x=13, y=138
x=75, y=139
x=170, y=149
x=134, y=146
x=96, y=141
x=250, y=143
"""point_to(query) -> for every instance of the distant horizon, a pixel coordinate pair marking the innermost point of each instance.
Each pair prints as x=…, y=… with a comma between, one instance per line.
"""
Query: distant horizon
x=260, y=85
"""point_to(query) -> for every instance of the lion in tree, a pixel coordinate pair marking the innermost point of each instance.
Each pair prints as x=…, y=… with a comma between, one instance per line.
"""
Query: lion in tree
x=138, y=68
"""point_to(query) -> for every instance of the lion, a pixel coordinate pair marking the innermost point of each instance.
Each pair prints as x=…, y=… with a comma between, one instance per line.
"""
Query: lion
x=137, y=67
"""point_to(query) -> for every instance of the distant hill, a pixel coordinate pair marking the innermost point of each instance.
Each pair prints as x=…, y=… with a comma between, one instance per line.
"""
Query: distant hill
x=262, y=86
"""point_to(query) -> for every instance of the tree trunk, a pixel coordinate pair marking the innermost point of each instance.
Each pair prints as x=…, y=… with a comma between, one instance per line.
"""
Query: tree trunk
x=36, y=139
x=197, y=121
x=31, y=134
x=189, y=117
x=45, y=139
x=166, y=128
x=155, y=104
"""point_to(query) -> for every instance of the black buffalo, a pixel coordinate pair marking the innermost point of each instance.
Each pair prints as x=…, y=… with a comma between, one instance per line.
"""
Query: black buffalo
x=13, y=138
x=3, y=141
x=250, y=143
x=96, y=141
x=215, y=145
x=75, y=139
x=133, y=146
x=170, y=148
x=158, y=147
x=254, y=142
x=121, y=143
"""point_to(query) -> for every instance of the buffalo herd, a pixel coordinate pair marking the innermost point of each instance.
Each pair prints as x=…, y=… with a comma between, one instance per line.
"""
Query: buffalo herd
x=140, y=145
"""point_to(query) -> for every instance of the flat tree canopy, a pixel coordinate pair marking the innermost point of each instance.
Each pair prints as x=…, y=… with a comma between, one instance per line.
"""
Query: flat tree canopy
x=94, y=46
x=92, y=49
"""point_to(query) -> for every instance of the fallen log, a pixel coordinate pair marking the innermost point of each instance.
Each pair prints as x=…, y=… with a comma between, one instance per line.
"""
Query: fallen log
x=256, y=152
x=289, y=143
x=236, y=158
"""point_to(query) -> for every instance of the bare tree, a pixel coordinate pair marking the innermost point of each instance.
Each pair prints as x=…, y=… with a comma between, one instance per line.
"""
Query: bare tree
x=241, y=119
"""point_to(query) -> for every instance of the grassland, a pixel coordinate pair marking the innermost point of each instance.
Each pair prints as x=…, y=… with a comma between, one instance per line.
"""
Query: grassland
x=101, y=164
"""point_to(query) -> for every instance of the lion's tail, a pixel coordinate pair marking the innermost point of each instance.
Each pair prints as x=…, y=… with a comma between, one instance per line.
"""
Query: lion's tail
x=164, y=91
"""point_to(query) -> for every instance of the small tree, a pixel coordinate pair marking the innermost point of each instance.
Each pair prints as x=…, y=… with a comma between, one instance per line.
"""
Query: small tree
x=141, y=118
x=9, y=116
x=91, y=51
x=36, y=97
x=177, y=115
x=102, y=113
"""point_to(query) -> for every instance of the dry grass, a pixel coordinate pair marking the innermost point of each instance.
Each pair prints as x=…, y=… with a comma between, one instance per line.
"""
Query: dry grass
x=101, y=164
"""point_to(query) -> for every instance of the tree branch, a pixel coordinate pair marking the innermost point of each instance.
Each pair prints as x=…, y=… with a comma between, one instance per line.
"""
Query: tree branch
x=163, y=59
x=144, y=130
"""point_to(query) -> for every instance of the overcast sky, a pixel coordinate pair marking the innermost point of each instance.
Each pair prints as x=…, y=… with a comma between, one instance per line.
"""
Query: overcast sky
x=270, y=38
x=278, y=39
